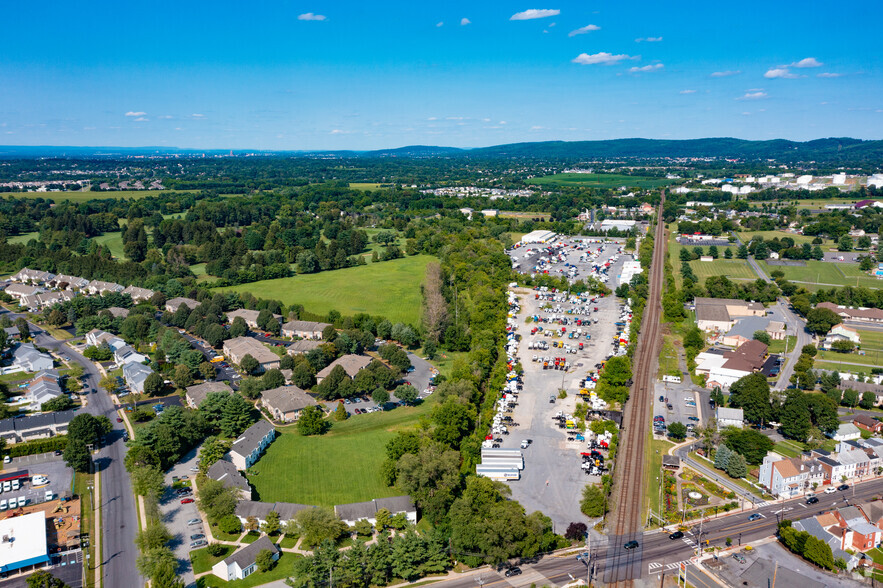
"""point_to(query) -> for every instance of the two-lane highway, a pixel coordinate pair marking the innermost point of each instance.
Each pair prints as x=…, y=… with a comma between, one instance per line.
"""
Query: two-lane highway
x=118, y=520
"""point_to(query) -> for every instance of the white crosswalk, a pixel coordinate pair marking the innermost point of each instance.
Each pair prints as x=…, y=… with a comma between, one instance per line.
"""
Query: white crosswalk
x=656, y=566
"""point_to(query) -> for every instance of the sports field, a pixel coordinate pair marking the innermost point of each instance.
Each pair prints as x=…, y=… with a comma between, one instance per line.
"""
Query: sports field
x=339, y=467
x=599, y=181
x=747, y=236
x=735, y=269
x=388, y=288
x=825, y=272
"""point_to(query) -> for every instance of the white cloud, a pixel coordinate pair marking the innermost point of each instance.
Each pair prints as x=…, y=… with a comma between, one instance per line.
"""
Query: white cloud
x=584, y=30
x=196, y=115
x=311, y=16
x=534, y=13
x=779, y=72
x=648, y=40
x=808, y=62
x=724, y=74
x=432, y=118
x=827, y=74
x=340, y=132
x=455, y=118
x=440, y=23
x=645, y=68
x=166, y=117
x=135, y=113
x=537, y=128
x=502, y=122
x=758, y=95
x=464, y=22
x=141, y=119
x=603, y=57
x=688, y=91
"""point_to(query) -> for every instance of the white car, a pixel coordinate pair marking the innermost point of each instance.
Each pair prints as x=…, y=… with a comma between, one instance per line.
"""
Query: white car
x=13, y=503
x=830, y=490
x=3, y=505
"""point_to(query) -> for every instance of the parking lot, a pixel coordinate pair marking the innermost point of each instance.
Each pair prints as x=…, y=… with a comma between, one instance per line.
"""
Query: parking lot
x=572, y=260
x=60, y=478
x=688, y=403
x=177, y=515
x=552, y=479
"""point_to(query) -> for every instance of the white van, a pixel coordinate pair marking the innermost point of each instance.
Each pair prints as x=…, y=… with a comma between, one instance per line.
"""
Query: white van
x=48, y=495
x=13, y=503
x=7, y=486
x=16, y=484
x=3, y=505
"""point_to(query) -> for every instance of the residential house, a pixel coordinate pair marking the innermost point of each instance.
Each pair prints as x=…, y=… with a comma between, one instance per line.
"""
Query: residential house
x=249, y=316
x=118, y=312
x=194, y=395
x=729, y=417
x=782, y=476
x=97, y=287
x=846, y=432
x=246, y=509
x=351, y=364
x=873, y=512
x=840, y=333
x=127, y=354
x=248, y=447
x=45, y=386
x=243, y=562
x=135, y=375
x=862, y=387
x=97, y=338
x=29, y=276
x=815, y=528
x=139, y=294
x=854, y=455
x=68, y=282
x=724, y=368
x=863, y=421
x=861, y=314
x=225, y=472
x=856, y=531
x=29, y=359
x=302, y=346
x=39, y=426
x=175, y=303
x=304, y=329
x=285, y=403
x=350, y=513
x=237, y=348
x=12, y=333
x=21, y=291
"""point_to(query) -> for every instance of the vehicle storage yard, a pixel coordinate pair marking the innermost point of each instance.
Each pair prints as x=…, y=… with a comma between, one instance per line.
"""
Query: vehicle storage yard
x=553, y=474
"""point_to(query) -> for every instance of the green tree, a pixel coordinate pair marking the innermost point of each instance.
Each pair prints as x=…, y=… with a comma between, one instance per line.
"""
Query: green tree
x=820, y=320
x=182, y=376
x=43, y=579
x=62, y=402
x=152, y=536
x=843, y=346
x=363, y=528
x=850, y=398
x=208, y=371
x=795, y=417
x=340, y=413
x=153, y=384
x=742, y=252
x=869, y=399
x=271, y=524
x=312, y=421
x=85, y=428
x=736, y=466
x=265, y=560
x=594, y=501
x=406, y=393
x=762, y=336
x=722, y=457
x=77, y=456
x=318, y=524
x=273, y=379
x=819, y=552
x=236, y=416
x=148, y=482
x=430, y=475
x=380, y=396
x=752, y=445
x=752, y=394
x=845, y=243
x=677, y=431
x=249, y=364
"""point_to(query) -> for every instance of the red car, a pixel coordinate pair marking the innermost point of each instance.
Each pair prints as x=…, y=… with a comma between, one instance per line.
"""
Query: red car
x=186, y=500
x=119, y=420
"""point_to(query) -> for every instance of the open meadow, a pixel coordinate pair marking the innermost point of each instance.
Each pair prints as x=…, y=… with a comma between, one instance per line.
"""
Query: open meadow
x=339, y=467
x=86, y=196
x=747, y=236
x=599, y=181
x=825, y=272
x=388, y=288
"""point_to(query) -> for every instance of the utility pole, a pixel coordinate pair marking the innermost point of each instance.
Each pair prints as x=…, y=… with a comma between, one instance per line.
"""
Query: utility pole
x=588, y=560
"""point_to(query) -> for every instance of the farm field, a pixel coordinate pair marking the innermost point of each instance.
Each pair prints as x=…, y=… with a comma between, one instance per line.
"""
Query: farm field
x=389, y=288
x=368, y=185
x=339, y=467
x=825, y=272
x=85, y=196
x=600, y=181
x=544, y=216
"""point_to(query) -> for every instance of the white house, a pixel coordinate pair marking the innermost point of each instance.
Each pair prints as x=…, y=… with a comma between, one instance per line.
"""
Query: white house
x=729, y=417
x=126, y=354
x=847, y=432
x=841, y=333
x=782, y=476
x=246, y=450
x=29, y=359
x=243, y=562
x=135, y=375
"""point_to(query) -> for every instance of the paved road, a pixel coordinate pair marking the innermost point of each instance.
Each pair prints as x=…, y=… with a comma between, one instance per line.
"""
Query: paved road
x=118, y=520
x=227, y=374
x=658, y=552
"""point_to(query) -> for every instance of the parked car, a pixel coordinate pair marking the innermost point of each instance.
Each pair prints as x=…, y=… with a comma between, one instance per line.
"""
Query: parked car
x=194, y=521
x=186, y=501
x=843, y=487
x=200, y=543
x=197, y=536
x=830, y=490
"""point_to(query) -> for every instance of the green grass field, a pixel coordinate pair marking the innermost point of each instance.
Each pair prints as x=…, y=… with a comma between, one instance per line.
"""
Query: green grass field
x=655, y=449
x=820, y=204
x=203, y=562
x=280, y=571
x=368, y=186
x=599, y=181
x=23, y=239
x=735, y=269
x=114, y=241
x=339, y=467
x=825, y=272
x=389, y=288
x=747, y=236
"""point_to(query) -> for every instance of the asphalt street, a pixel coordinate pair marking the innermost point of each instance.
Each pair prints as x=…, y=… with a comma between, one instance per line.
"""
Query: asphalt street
x=657, y=552
x=118, y=521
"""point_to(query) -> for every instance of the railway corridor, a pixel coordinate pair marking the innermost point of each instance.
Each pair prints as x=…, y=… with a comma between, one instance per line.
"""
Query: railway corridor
x=624, y=565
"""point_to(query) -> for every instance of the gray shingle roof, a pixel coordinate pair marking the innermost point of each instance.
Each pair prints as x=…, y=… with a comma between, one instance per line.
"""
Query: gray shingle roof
x=224, y=471
x=287, y=399
x=251, y=438
x=246, y=556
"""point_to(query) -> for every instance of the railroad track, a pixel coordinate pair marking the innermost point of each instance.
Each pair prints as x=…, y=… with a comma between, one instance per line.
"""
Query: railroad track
x=625, y=565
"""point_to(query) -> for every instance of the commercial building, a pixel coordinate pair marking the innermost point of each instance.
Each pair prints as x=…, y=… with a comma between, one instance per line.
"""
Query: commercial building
x=538, y=237
x=729, y=417
x=861, y=314
x=720, y=314
x=623, y=226
x=23, y=542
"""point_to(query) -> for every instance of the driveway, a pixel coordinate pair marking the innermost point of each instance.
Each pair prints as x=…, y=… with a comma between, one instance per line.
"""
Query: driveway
x=176, y=515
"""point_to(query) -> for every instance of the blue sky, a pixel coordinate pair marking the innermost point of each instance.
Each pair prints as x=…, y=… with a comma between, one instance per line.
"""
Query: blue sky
x=278, y=74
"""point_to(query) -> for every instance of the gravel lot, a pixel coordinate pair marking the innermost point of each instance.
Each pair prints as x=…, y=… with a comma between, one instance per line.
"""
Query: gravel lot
x=552, y=479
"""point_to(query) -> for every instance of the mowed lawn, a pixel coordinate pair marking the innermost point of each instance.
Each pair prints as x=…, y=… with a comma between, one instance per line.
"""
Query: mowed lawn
x=114, y=242
x=23, y=238
x=339, y=467
x=735, y=269
x=747, y=236
x=825, y=272
x=389, y=288
x=600, y=181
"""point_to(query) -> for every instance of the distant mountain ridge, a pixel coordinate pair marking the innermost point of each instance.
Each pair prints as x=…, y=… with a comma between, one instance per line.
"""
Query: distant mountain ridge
x=834, y=149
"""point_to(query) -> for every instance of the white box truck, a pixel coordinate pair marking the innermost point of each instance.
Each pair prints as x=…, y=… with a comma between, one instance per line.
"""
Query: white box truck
x=504, y=462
